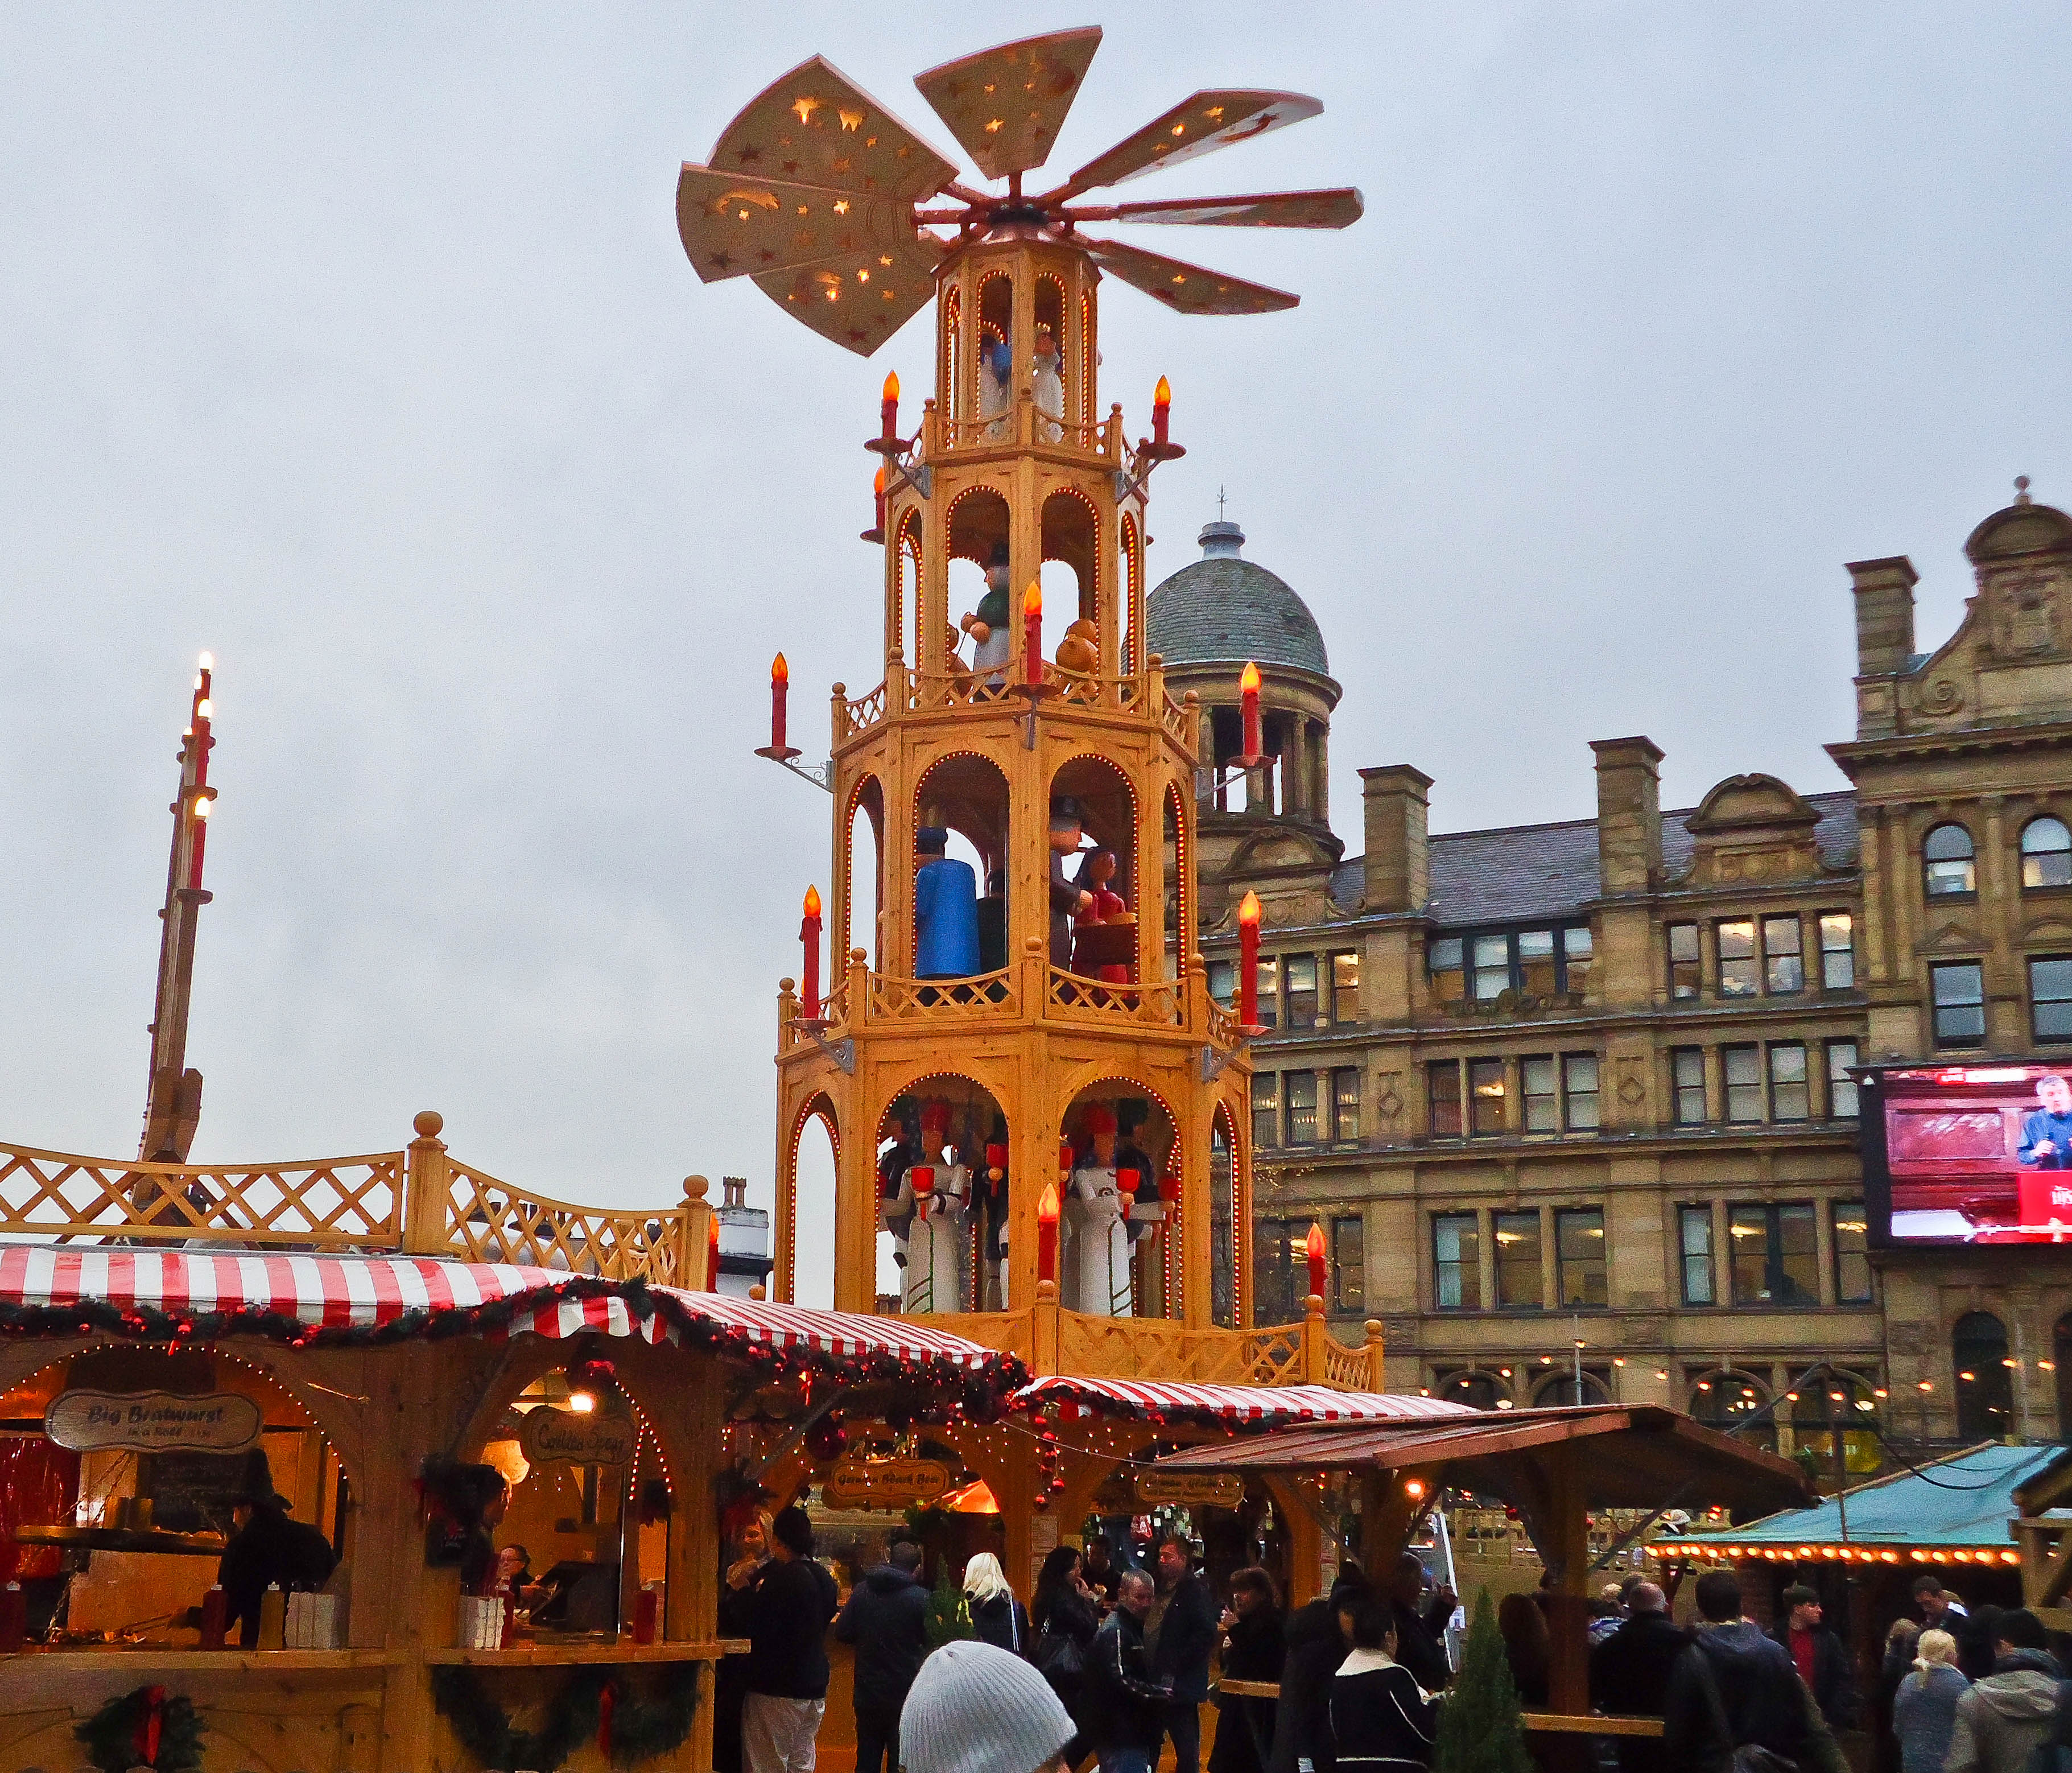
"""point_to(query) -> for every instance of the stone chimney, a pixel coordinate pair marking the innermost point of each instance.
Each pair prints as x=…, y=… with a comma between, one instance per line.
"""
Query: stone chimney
x=1629, y=814
x=1399, y=857
x=1884, y=638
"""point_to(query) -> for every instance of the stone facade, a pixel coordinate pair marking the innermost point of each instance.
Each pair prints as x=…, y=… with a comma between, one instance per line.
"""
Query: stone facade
x=1573, y=1101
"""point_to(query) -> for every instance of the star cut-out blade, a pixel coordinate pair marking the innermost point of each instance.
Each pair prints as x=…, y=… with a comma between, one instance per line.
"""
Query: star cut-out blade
x=816, y=126
x=1185, y=288
x=1193, y=127
x=1005, y=104
x=733, y=226
x=859, y=299
x=1338, y=208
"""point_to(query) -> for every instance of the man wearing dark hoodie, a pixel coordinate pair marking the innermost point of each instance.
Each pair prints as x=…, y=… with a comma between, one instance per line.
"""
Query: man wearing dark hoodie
x=787, y=1654
x=887, y=1618
x=1316, y=1646
x=2011, y=1712
x=1630, y=1672
x=1735, y=1688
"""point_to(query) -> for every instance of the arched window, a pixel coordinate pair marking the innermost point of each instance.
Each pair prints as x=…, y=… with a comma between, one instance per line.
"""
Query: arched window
x=1564, y=1391
x=1844, y=1401
x=1726, y=1400
x=1985, y=1379
x=2046, y=853
x=1948, y=864
x=1478, y=1391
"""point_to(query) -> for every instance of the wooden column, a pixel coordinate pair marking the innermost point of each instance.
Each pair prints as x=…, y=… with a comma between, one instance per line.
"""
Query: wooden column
x=427, y=1180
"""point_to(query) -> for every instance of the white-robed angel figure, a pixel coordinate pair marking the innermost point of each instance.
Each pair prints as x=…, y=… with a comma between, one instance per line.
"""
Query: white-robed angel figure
x=938, y=1195
x=1106, y=1218
x=1048, y=387
x=996, y=387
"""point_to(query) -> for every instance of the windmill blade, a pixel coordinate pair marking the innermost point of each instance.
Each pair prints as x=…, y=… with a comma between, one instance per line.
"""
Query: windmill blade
x=732, y=226
x=1185, y=288
x=1005, y=104
x=1338, y=208
x=858, y=298
x=816, y=126
x=1192, y=127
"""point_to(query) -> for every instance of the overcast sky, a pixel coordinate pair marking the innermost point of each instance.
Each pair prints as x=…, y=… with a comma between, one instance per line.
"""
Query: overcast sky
x=357, y=344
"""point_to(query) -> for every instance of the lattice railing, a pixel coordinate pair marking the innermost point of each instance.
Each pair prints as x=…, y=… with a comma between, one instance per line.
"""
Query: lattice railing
x=1180, y=724
x=1081, y=690
x=1224, y=1029
x=1345, y=1368
x=1274, y=1357
x=962, y=689
x=1163, y=1003
x=317, y=1204
x=863, y=713
x=948, y=1000
x=489, y=1221
x=1152, y=1349
x=1046, y=433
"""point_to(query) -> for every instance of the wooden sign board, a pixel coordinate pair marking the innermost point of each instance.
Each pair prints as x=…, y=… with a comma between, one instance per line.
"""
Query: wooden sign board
x=91, y=1421
x=881, y=1484
x=573, y=1437
x=1190, y=1489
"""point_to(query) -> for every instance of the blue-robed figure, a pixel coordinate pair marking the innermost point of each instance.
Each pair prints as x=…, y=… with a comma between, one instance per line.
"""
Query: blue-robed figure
x=2046, y=1132
x=945, y=910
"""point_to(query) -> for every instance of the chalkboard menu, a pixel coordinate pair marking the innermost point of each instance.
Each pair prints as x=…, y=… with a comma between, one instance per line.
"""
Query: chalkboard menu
x=191, y=1492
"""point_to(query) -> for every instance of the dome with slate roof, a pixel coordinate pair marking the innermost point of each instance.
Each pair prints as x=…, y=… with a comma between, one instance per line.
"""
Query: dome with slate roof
x=1225, y=610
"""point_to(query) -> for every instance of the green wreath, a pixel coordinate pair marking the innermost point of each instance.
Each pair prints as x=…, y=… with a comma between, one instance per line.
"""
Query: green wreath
x=641, y=1730
x=114, y=1736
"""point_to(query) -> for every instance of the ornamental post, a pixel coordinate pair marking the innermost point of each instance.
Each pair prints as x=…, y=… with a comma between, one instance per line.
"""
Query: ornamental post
x=1314, y=1335
x=428, y=1180
x=695, y=1218
x=1375, y=1350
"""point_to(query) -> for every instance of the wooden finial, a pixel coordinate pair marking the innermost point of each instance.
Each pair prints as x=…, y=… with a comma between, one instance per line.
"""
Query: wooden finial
x=430, y=1123
x=695, y=1188
x=758, y=1290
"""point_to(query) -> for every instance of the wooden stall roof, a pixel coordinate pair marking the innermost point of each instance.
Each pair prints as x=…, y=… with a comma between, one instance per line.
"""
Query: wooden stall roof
x=1268, y=1406
x=1631, y=1456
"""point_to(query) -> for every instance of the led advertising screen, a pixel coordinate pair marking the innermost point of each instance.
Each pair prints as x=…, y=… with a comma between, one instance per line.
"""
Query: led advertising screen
x=1968, y=1153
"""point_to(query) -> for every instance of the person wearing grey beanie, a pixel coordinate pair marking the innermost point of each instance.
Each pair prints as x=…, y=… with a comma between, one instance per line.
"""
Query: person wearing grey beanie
x=976, y=1708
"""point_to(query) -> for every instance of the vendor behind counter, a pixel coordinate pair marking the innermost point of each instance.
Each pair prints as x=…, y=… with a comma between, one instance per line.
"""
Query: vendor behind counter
x=267, y=1548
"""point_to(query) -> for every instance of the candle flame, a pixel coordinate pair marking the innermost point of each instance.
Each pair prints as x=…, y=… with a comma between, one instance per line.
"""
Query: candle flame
x=201, y=807
x=892, y=385
x=779, y=672
x=207, y=661
x=204, y=709
x=1032, y=599
x=1247, y=910
x=812, y=902
x=1247, y=680
x=877, y=483
x=1162, y=395
x=1046, y=1209
x=1315, y=1246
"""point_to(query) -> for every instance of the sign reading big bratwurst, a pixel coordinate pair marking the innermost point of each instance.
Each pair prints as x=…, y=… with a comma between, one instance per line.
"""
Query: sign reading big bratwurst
x=89, y=1421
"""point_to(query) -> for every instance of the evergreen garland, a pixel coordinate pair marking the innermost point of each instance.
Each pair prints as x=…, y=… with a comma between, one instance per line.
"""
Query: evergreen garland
x=110, y=1736
x=949, y=1616
x=640, y=1730
x=1480, y=1729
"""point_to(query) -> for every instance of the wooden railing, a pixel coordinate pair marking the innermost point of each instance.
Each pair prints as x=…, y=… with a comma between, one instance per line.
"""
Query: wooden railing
x=953, y=1000
x=1022, y=426
x=1163, y=1003
x=913, y=691
x=489, y=1221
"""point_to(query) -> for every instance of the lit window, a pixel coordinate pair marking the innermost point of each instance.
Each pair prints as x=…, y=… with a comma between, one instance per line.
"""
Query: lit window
x=1450, y=979
x=1265, y=1108
x=1838, y=953
x=2046, y=853
x=1269, y=991
x=2050, y=998
x=1299, y=986
x=1694, y=1229
x=1457, y=1262
x=1683, y=959
x=1349, y=1264
x=1579, y=1255
x=1958, y=992
x=1543, y=1106
x=1579, y=1083
x=1346, y=1103
x=1788, y=1097
x=1785, y=967
x=1535, y=963
x=1345, y=988
x=1948, y=864
x=1576, y=951
x=1852, y=1262
x=1841, y=1087
x=1444, y=1088
x=1301, y=1087
x=1486, y=1095
x=1738, y=971
x=1773, y=1254
x=1688, y=1067
x=1517, y=1276
x=1492, y=967
x=1742, y=1068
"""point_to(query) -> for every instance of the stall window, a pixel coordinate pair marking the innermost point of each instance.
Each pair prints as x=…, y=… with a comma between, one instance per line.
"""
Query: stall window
x=1838, y=952
x=1345, y=1104
x=1265, y=1108
x=1443, y=1083
x=1788, y=1097
x=1852, y=1262
x=1457, y=1262
x=1543, y=1102
x=1449, y=978
x=1299, y=972
x=1694, y=1233
x=1949, y=868
x=1579, y=1084
x=1576, y=957
x=1301, y=1087
x=1683, y=972
x=1841, y=1087
x=1958, y=990
x=2046, y=853
x=1784, y=965
x=2050, y=998
x=1739, y=973
x=1579, y=1255
x=1517, y=1276
x=1773, y=1254
x=1687, y=1067
x=1742, y=1069
x=1345, y=987
x=1349, y=1263
x=1486, y=1095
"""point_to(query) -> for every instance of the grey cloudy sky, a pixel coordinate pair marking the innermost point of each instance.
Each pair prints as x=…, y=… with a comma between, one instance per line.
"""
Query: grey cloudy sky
x=357, y=344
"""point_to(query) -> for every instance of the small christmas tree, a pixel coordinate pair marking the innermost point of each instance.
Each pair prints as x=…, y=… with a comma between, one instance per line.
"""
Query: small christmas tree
x=949, y=1618
x=1480, y=1728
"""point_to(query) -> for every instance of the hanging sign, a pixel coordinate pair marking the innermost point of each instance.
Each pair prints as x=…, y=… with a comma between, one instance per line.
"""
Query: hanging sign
x=91, y=1421
x=573, y=1437
x=876, y=1483
x=1190, y=1489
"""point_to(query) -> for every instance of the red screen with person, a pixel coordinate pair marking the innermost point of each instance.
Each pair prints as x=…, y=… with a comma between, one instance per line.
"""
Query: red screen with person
x=1973, y=1153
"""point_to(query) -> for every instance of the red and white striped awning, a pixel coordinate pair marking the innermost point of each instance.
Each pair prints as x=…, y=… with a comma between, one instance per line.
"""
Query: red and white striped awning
x=157, y=1292
x=1267, y=1406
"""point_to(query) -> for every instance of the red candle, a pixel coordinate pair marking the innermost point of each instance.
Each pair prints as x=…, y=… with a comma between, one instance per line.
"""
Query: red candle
x=1247, y=961
x=809, y=933
x=204, y=717
x=1128, y=1181
x=1066, y=1157
x=877, y=500
x=780, y=689
x=1032, y=632
x=712, y=1254
x=923, y=1178
x=888, y=410
x=1161, y=410
x=1046, y=1234
x=1248, y=697
x=1316, y=1254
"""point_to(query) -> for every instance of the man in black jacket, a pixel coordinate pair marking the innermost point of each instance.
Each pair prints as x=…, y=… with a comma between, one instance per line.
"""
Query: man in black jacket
x=887, y=1620
x=1630, y=1672
x=1421, y=1644
x=1185, y=1635
x=788, y=1615
x=1820, y=1656
x=1124, y=1708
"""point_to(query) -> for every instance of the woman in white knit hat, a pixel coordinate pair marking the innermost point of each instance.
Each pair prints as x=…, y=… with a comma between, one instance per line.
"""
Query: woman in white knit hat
x=975, y=1708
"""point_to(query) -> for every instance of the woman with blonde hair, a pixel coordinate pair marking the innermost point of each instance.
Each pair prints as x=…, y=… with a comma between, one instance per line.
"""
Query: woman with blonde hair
x=1924, y=1710
x=996, y=1615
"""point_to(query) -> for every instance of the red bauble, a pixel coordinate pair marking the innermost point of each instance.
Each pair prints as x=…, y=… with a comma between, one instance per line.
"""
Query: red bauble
x=827, y=1438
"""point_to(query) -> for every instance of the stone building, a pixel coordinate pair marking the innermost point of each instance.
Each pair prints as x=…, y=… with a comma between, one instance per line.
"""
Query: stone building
x=1574, y=1101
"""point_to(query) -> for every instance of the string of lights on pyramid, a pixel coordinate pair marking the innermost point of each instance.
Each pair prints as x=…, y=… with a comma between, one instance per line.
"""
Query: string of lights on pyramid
x=839, y=210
